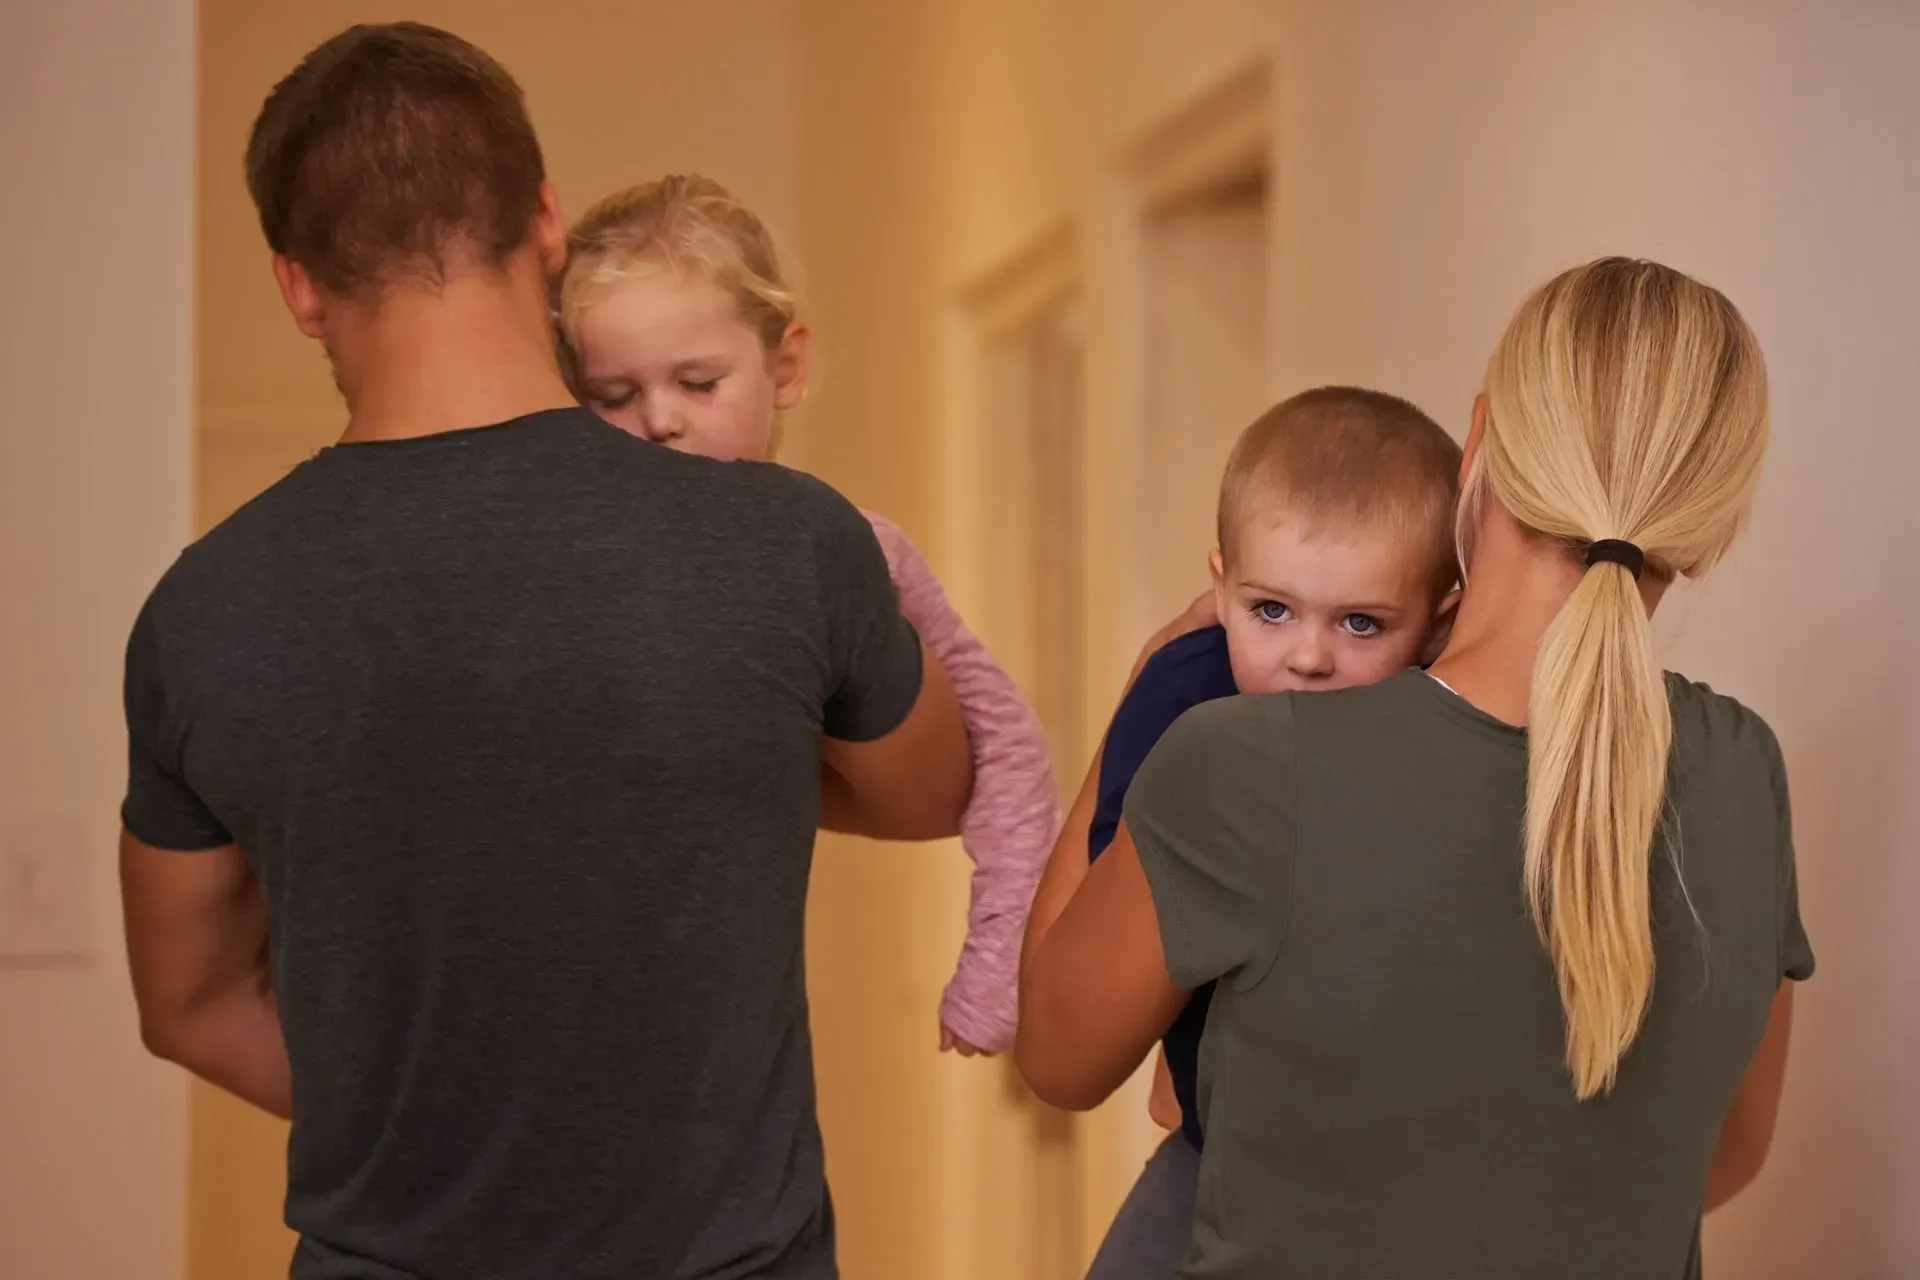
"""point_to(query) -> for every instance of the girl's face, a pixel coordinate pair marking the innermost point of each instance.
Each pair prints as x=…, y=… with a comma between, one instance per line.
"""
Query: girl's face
x=669, y=358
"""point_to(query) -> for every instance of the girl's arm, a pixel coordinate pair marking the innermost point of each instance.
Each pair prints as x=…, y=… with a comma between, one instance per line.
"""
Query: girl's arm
x=1012, y=818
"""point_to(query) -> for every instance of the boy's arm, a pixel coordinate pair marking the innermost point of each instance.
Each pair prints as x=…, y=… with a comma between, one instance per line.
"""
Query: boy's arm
x=1010, y=822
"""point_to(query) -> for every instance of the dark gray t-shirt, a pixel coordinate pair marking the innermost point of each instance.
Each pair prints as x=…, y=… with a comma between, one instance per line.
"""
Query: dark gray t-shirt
x=519, y=727
x=1381, y=1079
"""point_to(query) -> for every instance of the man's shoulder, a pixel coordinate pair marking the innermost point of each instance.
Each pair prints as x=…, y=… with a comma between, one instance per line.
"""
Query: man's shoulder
x=221, y=558
x=791, y=499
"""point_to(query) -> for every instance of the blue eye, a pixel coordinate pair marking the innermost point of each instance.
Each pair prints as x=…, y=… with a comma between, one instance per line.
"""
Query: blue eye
x=1361, y=624
x=1272, y=611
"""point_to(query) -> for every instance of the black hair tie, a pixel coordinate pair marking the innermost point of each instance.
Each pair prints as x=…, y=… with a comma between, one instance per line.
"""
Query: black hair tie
x=1614, y=551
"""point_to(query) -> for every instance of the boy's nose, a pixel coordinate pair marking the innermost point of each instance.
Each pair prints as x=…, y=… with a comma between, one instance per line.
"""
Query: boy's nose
x=1311, y=657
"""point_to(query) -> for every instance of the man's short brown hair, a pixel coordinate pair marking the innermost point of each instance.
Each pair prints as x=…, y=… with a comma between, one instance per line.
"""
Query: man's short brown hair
x=387, y=146
x=1346, y=456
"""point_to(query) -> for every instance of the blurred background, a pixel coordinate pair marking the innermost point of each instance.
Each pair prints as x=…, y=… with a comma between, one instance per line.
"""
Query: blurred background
x=1056, y=253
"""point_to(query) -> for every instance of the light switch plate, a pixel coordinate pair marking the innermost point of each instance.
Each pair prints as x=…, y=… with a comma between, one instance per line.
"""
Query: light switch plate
x=44, y=911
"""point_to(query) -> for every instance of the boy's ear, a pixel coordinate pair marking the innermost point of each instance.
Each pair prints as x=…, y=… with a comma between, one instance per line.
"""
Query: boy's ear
x=1443, y=615
x=1217, y=566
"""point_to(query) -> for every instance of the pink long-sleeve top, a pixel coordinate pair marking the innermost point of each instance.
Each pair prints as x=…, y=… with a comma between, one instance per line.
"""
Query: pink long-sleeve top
x=1014, y=814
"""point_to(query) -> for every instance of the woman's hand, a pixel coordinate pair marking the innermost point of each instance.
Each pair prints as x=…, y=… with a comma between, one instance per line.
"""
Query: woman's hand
x=1163, y=1105
x=1203, y=612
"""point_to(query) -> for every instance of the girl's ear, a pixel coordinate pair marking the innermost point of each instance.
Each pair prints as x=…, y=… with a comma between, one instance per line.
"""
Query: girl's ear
x=787, y=365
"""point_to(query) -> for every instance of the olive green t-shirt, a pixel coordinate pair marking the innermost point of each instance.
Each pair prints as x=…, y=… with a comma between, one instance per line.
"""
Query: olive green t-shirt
x=1381, y=1082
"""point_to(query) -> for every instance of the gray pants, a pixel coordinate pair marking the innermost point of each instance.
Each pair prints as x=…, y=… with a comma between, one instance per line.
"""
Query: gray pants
x=1149, y=1236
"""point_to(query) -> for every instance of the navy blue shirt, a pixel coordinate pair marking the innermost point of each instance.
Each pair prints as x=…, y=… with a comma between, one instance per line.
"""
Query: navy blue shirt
x=1191, y=669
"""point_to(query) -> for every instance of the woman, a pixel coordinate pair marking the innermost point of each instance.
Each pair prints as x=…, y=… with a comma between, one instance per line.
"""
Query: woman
x=1436, y=907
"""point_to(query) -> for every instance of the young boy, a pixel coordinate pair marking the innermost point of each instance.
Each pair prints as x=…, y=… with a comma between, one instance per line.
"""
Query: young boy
x=1335, y=568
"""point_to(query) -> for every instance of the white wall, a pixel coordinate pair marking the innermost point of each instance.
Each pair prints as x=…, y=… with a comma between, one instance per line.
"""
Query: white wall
x=96, y=252
x=1436, y=161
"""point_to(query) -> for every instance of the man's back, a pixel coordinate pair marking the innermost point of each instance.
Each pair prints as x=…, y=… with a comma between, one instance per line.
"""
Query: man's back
x=519, y=728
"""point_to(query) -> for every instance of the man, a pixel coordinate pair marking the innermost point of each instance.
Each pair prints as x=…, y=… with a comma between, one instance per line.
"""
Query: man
x=475, y=765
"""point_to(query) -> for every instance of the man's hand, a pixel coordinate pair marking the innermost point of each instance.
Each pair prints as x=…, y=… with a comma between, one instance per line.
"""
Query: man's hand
x=197, y=949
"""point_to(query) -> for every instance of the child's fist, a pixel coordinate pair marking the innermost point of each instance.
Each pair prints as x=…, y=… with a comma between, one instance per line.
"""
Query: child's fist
x=951, y=1043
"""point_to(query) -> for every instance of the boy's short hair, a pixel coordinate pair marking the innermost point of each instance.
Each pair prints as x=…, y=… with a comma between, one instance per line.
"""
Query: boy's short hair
x=1343, y=456
x=388, y=145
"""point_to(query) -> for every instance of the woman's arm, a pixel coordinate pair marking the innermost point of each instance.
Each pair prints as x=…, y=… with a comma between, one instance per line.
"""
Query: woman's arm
x=1208, y=828
x=1095, y=995
x=1746, y=1134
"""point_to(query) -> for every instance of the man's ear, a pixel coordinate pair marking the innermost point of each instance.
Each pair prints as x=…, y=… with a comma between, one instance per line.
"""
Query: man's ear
x=302, y=296
x=549, y=233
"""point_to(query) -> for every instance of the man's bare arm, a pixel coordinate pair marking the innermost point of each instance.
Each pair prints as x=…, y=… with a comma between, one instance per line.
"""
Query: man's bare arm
x=197, y=947
x=912, y=784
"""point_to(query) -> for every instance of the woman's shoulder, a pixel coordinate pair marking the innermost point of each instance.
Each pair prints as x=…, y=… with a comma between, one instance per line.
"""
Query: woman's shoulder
x=1720, y=735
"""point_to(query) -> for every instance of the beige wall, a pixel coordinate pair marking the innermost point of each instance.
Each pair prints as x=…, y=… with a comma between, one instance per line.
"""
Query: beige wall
x=97, y=150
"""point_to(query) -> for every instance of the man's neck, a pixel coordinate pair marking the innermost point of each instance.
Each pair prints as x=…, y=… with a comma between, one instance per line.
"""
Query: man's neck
x=472, y=353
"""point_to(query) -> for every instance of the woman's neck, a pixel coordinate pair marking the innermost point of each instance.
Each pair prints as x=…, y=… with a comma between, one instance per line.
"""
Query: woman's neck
x=1516, y=586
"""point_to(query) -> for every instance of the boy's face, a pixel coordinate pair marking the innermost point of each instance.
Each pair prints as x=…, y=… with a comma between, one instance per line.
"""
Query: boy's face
x=1326, y=609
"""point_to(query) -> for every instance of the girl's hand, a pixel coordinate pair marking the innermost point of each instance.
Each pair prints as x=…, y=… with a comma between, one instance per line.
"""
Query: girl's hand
x=951, y=1043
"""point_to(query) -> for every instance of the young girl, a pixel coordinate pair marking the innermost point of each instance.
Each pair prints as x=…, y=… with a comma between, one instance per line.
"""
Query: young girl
x=678, y=327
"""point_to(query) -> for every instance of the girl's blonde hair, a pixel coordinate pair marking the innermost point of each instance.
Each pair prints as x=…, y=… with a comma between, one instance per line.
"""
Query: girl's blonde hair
x=683, y=224
x=1626, y=401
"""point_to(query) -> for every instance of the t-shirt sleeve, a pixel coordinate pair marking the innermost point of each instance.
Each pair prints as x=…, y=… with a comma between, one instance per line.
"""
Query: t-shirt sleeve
x=160, y=808
x=873, y=652
x=1212, y=814
x=1796, y=952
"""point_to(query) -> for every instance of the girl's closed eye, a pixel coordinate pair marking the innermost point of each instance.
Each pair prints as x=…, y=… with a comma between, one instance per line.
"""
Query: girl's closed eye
x=699, y=386
x=617, y=400
x=1271, y=611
